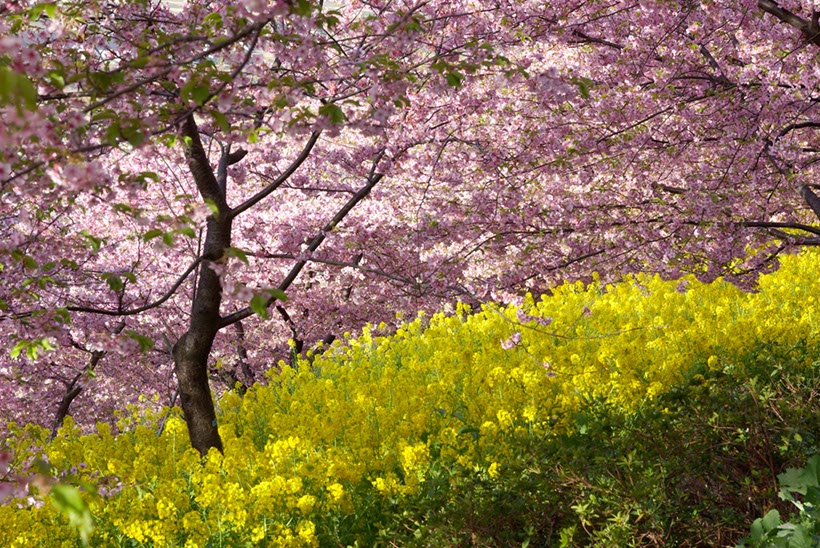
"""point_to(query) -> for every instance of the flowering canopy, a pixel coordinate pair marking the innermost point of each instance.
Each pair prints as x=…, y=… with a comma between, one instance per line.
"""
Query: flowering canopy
x=169, y=177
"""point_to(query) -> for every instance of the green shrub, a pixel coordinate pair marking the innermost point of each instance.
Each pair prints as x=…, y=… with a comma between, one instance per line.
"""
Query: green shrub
x=804, y=531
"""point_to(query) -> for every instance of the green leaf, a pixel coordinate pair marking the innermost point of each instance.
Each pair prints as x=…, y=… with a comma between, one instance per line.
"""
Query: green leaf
x=49, y=9
x=238, y=253
x=101, y=80
x=794, y=536
x=798, y=480
x=113, y=134
x=42, y=467
x=67, y=499
x=146, y=343
x=259, y=302
x=472, y=430
x=39, y=344
x=756, y=533
x=31, y=348
x=92, y=241
x=186, y=231
x=140, y=62
x=104, y=114
x=29, y=263
x=413, y=25
x=278, y=294
x=583, y=86
x=62, y=315
x=212, y=206
x=169, y=140
x=195, y=91
x=771, y=520
x=454, y=78
x=213, y=19
x=302, y=7
x=134, y=137
x=201, y=94
x=27, y=92
x=151, y=234
x=114, y=282
x=16, y=89
x=168, y=239
x=221, y=120
x=17, y=349
x=145, y=176
x=333, y=113
x=258, y=305
x=331, y=21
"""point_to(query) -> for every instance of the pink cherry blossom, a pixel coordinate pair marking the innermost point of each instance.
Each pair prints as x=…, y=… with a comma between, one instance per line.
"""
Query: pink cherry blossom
x=164, y=177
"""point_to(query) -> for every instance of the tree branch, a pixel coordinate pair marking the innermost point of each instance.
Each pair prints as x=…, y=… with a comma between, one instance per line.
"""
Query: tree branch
x=227, y=158
x=264, y=193
x=587, y=39
x=299, y=344
x=140, y=309
x=801, y=125
x=811, y=199
x=331, y=262
x=810, y=29
x=796, y=226
x=256, y=27
x=242, y=352
x=73, y=389
x=313, y=246
x=200, y=166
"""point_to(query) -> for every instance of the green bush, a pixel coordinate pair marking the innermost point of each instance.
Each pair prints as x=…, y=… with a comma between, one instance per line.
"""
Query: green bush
x=804, y=530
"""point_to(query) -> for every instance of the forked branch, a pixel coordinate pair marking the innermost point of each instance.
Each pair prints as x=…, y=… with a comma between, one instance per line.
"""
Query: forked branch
x=168, y=294
x=314, y=244
x=265, y=192
x=809, y=28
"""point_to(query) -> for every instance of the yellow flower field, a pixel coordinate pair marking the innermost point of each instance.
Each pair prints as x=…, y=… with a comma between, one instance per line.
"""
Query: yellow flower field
x=374, y=420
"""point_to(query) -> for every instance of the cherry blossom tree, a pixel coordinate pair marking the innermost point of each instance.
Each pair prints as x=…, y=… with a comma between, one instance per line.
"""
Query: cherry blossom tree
x=184, y=193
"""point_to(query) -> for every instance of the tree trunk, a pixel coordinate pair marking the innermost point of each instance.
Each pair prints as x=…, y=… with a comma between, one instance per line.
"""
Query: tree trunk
x=191, y=367
x=193, y=348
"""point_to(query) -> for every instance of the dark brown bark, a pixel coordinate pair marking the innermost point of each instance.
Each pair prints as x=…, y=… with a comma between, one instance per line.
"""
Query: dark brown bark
x=231, y=376
x=191, y=367
x=73, y=388
x=193, y=348
x=809, y=27
x=811, y=199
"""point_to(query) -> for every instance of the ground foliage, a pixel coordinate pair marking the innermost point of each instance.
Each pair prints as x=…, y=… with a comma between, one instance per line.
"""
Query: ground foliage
x=644, y=413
